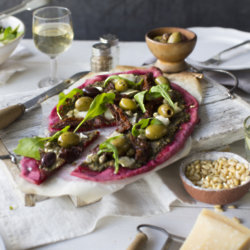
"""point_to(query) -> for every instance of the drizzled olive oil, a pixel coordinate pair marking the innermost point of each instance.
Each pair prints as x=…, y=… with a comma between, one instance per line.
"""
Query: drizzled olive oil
x=53, y=38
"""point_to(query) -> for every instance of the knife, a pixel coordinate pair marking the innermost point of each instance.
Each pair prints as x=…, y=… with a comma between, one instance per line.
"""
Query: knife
x=10, y=114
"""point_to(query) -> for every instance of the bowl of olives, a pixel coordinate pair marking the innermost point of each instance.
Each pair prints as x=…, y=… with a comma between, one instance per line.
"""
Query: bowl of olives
x=171, y=45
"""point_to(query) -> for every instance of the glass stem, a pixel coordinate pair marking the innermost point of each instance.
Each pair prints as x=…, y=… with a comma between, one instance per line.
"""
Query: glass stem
x=53, y=69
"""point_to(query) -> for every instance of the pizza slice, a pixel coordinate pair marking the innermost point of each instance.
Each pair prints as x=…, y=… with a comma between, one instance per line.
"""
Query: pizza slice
x=45, y=155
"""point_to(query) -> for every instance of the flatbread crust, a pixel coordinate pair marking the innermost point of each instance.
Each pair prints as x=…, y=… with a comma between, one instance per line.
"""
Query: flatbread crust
x=188, y=81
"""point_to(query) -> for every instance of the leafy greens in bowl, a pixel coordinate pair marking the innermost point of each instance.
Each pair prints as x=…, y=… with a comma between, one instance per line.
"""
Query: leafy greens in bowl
x=11, y=32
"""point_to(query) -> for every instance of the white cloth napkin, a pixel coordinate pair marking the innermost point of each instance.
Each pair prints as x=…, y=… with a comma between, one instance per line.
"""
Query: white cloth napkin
x=25, y=227
x=13, y=64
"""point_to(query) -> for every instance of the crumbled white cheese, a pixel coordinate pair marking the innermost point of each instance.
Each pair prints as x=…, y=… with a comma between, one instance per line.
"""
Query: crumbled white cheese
x=115, y=133
x=177, y=108
x=133, y=119
x=126, y=161
x=79, y=114
x=82, y=136
x=108, y=115
x=129, y=77
x=70, y=113
x=89, y=158
x=99, y=88
x=129, y=92
x=164, y=120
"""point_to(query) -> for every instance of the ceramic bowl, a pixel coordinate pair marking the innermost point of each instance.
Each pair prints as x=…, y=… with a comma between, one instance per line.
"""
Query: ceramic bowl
x=213, y=196
x=171, y=56
x=7, y=49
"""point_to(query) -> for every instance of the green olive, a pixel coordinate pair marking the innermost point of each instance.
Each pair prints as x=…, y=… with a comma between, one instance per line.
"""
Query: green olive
x=121, y=143
x=158, y=38
x=166, y=111
x=127, y=104
x=155, y=131
x=162, y=80
x=83, y=103
x=68, y=139
x=121, y=85
x=175, y=37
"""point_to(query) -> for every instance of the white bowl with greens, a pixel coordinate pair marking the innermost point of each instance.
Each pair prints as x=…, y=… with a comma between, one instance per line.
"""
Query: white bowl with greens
x=11, y=32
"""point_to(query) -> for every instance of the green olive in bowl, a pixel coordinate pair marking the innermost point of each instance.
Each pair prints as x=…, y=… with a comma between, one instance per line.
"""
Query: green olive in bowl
x=127, y=104
x=175, y=37
x=68, y=139
x=83, y=103
x=155, y=131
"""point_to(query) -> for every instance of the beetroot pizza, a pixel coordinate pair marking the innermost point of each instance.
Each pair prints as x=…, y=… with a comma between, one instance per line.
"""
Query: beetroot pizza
x=152, y=119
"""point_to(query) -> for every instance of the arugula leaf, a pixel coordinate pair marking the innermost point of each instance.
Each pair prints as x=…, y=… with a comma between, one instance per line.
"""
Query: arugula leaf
x=8, y=34
x=155, y=121
x=97, y=107
x=143, y=123
x=162, y=90
x=132, y=84
x=139, y=127
x=56, y=135
x=63, y=98
x=30, y=147
x=106, y=146
x=140, y=98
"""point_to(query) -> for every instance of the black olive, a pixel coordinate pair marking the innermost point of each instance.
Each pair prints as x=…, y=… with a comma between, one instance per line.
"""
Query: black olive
x=91, y=91
x=48, y=159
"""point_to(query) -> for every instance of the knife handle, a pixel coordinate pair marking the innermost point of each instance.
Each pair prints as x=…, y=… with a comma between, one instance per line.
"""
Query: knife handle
x=139, y=242
x=10, y=114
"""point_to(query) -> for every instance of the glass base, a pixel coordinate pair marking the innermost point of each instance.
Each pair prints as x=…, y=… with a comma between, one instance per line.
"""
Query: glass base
x=48, y=82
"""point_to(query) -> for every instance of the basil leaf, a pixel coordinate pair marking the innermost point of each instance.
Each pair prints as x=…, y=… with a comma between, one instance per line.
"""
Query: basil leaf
x=63, y=98
x=140, y=98
x=162, y=90
x=97, y=107
x=30, y=147
x=132, y=84
x=109, y=147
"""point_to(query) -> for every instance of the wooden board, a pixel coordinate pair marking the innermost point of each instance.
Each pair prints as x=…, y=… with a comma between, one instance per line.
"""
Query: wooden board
x=221, y=123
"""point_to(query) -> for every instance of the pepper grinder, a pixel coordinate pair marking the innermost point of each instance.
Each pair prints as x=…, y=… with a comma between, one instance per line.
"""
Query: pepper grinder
x=101, y=59
x=113, y=41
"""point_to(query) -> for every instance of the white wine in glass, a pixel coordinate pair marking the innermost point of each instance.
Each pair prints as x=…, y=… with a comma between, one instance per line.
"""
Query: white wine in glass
x=52, y=34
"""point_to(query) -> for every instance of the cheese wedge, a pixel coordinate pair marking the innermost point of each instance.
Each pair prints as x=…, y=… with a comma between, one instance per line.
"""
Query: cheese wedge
x=215, y=231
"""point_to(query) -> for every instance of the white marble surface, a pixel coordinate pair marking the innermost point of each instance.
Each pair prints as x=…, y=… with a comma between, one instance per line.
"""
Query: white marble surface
x=114, y=232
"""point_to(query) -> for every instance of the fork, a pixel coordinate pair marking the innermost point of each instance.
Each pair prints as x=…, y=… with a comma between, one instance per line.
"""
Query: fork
x=10, y=156
x=217, y=58
x=24, y=5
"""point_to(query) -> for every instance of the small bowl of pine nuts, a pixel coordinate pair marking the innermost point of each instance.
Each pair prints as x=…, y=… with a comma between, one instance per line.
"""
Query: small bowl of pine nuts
x=216, y=177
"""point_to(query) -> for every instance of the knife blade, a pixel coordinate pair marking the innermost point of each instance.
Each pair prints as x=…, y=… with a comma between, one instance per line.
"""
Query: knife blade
x=10, y=114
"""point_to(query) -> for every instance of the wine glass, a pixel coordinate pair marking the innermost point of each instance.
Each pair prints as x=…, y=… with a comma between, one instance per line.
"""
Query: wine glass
x=52, y=34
